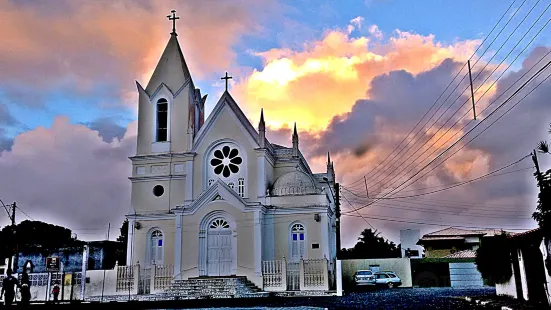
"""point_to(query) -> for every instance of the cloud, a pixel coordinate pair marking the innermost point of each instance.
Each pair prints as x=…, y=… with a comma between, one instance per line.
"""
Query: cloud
x=65, y=51
x=6, y=119
x=375, y=32
x=362, y=138
x=107, y=128
x=329, y=75
x=357, y=22
x=68, y=175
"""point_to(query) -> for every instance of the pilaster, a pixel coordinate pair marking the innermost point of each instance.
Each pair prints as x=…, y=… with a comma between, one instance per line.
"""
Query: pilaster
x=130, y=241
x=178, y=248
x=189, y=182
x=258, y=242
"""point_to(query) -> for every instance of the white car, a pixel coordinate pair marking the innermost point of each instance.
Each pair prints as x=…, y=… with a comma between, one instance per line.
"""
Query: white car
x=388, y=279
x=364, y=277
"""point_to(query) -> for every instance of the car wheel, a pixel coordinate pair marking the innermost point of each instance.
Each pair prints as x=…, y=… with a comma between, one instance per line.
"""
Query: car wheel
x=390, y=285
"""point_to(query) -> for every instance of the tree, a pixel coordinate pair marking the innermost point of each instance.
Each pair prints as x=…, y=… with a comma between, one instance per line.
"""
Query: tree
x=35, y=235
x=371, y=245
x=123, y=241
x=542, y=215
x=493, y=259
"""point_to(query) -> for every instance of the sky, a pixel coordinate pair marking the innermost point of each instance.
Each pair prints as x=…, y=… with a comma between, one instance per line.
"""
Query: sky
x=356, y=76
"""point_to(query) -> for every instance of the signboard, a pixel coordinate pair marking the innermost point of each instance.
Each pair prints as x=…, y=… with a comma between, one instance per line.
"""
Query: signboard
x=52, y=263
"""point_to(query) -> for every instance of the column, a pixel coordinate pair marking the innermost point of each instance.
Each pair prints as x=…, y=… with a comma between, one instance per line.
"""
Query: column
x=325, y=235
x=178, y=247
x=258, y=242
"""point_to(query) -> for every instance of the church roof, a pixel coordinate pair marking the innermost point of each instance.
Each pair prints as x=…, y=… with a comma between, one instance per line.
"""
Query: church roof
x=171, y=68
x=227, y=99
x=294, y=183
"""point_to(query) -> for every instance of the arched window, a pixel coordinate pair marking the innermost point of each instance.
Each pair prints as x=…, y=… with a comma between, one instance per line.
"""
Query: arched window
x=156, y=251
x=162, y=120
x=241, y=187
x=297, y=241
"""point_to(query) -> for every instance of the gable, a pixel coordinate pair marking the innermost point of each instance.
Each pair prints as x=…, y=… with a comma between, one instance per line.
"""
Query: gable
x=218, y=191
x=226, y=121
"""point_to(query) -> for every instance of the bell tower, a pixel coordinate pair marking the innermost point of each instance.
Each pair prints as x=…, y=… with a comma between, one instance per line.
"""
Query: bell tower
x=170, y=108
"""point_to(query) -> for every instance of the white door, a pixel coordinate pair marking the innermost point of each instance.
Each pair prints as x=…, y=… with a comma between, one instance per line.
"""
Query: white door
x=219, y=249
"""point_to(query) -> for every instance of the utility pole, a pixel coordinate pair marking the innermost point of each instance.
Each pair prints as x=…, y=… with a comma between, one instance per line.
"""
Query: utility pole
x=338, y=218
x=538, y=173
x=13, y=238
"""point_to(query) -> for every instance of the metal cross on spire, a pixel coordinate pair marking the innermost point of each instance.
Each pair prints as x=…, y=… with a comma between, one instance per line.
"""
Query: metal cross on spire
x=173, y=18
x=226, y=78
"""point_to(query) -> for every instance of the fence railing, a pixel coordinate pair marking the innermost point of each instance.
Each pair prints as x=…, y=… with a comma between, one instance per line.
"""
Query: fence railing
x=315, y=273
x=274, y=275
x=312, y=274
x=125, y=278
x=161, y=277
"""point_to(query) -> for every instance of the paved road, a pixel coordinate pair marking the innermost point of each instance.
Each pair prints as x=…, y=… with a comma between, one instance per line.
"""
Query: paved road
x=401, y=298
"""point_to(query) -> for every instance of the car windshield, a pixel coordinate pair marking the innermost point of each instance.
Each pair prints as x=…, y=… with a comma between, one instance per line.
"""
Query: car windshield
x=364, y=273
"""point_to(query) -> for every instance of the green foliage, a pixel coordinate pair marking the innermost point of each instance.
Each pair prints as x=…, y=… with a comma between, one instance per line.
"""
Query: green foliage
x=371, y=245
x=122, y=240
x=542, y=215
x=493, y=259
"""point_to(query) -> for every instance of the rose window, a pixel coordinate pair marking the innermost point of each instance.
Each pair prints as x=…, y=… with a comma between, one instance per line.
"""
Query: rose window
x=226, y=161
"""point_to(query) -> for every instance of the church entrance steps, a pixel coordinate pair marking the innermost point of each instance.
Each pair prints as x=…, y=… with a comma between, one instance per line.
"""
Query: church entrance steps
x=217, y=287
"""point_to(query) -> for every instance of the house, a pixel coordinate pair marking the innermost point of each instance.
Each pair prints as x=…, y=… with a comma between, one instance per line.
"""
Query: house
x=530, y=278
x=214, y=197
x=452, y=240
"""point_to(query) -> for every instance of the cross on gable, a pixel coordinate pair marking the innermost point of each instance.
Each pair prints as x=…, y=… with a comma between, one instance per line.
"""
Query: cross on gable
x=173, y=18
x=226, y=78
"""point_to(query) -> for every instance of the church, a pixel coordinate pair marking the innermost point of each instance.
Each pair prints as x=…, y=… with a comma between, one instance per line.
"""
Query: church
x=214, y=197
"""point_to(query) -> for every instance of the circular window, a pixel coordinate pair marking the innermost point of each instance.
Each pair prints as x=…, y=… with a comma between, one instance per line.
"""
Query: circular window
x=226, y=161
x=158, y=190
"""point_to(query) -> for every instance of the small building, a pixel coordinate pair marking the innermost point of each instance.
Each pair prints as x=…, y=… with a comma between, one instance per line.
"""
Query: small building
x=452, y=240
x=408, y=243
x=101, y=256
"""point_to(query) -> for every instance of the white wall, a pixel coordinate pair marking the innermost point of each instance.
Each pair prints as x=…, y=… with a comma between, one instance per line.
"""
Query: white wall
x=408, y=239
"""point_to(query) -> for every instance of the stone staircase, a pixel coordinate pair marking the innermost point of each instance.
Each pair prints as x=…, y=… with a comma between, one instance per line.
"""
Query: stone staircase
x=201, y=288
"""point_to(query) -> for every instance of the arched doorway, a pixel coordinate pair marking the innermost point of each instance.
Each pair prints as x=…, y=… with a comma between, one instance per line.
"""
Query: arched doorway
x=219, y=248
x=217, y=245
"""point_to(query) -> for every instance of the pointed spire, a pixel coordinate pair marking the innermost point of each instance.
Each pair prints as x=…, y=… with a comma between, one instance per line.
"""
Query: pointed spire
x=295, y=141
x=328, y=158
x=171, y=69
x=262, y=130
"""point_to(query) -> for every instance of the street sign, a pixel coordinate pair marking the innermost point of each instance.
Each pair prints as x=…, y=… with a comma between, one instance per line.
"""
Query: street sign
x=52, y=263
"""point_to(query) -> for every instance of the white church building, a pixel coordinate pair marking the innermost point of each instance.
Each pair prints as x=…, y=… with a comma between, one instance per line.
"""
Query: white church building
x=214, y=198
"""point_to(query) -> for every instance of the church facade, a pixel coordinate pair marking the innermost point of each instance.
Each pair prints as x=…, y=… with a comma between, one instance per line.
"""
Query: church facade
x=214, y=197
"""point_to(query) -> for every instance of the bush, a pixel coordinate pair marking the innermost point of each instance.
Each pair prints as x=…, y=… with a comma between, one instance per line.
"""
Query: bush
x=493, y=259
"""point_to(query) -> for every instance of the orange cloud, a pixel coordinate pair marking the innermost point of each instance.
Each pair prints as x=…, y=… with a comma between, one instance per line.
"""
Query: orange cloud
x=329, y=75
x=83, y=44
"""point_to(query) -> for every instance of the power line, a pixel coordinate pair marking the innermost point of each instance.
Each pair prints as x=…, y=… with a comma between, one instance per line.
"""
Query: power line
x=346, y=199
x=467, y=100
x=434, y=224
x=447, y=185
x=455, y=143
x=461, y=183
x=443, y=92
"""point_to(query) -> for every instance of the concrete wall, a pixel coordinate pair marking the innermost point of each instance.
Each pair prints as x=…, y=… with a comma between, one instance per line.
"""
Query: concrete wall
x=401, y=266
x=508, y=288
